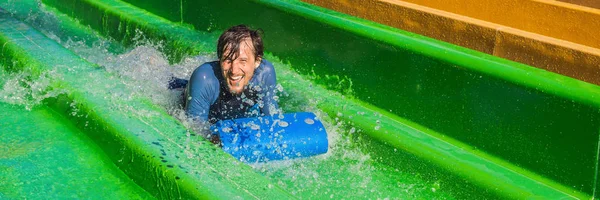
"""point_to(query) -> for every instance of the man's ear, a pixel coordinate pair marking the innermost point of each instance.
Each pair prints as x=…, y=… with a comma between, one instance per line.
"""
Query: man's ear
x=258, y=60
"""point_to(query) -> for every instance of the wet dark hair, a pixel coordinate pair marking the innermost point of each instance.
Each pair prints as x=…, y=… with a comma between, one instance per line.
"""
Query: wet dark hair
x=231, y=39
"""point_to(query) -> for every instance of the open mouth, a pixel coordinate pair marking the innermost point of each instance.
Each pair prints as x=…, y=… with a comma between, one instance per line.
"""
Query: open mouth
x=235, y=80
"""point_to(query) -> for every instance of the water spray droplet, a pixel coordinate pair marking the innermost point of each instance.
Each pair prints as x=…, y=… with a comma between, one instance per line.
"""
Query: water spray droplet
x=227, y=129
x=309, y=121
x=283, y=124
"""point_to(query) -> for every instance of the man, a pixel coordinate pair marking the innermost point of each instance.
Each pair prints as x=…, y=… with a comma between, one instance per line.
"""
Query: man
x=240, y=84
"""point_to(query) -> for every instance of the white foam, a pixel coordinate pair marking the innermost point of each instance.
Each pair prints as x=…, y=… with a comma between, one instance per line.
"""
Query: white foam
x=26, y=89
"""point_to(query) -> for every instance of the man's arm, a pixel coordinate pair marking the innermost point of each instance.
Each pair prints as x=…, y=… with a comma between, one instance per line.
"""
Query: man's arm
x=202, y=91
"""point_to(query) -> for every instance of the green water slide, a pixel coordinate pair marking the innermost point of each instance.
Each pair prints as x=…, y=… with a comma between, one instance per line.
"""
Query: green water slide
x=429, y=120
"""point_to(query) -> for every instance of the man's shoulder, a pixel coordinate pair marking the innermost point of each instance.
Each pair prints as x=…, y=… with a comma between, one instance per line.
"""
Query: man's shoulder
x=266, y=67
x=264, y=74
x=206, y=71
x=208, y=66
x=267, y=63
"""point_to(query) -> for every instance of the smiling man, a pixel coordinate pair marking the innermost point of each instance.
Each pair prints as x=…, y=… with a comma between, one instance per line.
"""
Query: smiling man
x=240, y=84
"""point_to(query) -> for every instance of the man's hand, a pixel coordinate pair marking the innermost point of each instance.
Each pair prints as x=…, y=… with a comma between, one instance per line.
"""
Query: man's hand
x=215, y=139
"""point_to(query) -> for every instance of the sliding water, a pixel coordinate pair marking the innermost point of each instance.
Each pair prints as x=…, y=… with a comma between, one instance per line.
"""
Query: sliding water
x=86, y=113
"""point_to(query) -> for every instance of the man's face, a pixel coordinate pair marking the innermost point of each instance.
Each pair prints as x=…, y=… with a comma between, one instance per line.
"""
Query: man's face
x=238, y=72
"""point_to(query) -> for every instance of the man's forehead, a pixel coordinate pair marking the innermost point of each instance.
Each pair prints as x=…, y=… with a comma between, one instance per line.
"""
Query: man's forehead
x=245, y=47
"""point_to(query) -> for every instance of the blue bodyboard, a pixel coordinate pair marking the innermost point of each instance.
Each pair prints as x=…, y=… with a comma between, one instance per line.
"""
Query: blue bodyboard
x=278, y=137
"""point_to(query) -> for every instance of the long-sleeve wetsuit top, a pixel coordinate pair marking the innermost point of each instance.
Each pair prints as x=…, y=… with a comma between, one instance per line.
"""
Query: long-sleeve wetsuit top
x=208, y=98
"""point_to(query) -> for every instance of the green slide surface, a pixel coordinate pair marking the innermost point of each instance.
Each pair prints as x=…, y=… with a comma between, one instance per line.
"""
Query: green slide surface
x=422, y=118
x=45, y=156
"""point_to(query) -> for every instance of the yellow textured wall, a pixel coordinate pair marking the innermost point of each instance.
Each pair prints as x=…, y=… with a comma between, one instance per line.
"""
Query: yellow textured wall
x=543, y=49
x=586, y=3
x=551, y=18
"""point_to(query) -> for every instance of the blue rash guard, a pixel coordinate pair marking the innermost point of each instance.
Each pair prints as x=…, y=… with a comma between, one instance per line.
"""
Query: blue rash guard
x=208, y=98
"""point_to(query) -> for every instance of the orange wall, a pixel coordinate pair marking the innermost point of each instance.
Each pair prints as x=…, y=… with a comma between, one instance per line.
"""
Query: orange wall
x=542, y=51
x=546, y=17
x=586, y=3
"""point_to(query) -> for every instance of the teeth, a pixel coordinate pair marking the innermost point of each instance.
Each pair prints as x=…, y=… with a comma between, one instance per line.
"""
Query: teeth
x=235, y=78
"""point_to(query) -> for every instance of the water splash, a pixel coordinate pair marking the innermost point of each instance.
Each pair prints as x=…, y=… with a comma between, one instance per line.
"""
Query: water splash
x=346, y=171
x=146, y=71
x=26, y=89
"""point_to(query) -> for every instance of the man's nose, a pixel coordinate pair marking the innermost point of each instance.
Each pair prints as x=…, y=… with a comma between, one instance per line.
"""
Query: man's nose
x=236, y=68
